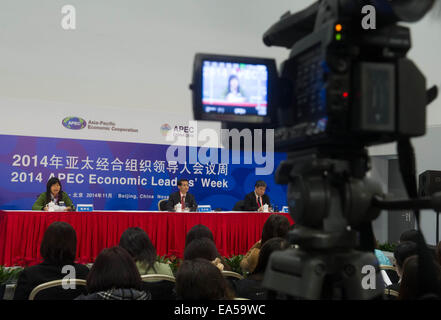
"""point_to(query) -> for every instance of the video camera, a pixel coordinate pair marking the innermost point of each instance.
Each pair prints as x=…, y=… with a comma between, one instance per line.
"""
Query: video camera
x=341, y=85
x=347, y=84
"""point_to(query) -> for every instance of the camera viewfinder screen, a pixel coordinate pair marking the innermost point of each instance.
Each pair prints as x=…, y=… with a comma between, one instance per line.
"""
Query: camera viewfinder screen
x=234, y=88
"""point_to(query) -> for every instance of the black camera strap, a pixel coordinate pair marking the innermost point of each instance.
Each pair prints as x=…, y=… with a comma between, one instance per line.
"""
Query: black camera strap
x=427, y=285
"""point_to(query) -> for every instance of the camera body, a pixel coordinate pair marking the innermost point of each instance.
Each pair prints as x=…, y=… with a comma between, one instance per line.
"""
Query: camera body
x=345, y=89
x=341, y=85
x=342, y=88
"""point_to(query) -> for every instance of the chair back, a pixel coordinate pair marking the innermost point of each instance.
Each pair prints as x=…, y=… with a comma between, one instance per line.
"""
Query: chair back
x=162, y=205
x=61, y=294
x=239, y=206
x=161, y=287
x=231, y=274
x=386, y=267
x=157, y=277
x=391, y=294
x=7, y=291
x=391, y=272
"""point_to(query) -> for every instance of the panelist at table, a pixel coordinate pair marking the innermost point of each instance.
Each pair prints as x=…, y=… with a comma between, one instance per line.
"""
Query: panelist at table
x=255, y=200
x=183, y=197
x=55, y=194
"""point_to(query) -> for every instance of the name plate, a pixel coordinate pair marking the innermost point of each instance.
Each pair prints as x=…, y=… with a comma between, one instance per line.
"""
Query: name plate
x=84, y=207
x=204, y=208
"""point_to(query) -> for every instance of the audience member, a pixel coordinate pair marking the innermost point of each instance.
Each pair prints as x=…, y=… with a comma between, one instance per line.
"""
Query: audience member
x=402, y=251
x=409, y=281
x=250, y=287
x=114, y=276
x=199, y=279
x=203, y=248
x=409, y=235
x=413, y=235
x=409, y=287
x=275, y=226
x=138, y=245
x=438, y=253
x=58, y=249
x=198, y=231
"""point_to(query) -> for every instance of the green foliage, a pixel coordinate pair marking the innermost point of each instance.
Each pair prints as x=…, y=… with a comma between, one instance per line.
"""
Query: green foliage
x=171, y=260
x=387, y=246
x=234, y=263
x=174, y=262
x=9, y=274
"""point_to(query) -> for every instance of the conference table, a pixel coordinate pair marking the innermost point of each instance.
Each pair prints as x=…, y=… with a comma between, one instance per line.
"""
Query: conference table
x=21, y=232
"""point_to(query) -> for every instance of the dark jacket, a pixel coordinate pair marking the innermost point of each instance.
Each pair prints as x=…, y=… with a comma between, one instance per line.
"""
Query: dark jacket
x=250, y=288
x=160, y=290
x=175, y=198
x=250, y=202
x=41, y=201
x=117, y=294
x=44, y=272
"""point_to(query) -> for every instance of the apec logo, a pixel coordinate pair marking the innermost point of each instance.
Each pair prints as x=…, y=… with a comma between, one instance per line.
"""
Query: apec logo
x=165, y=128
x=74, y=123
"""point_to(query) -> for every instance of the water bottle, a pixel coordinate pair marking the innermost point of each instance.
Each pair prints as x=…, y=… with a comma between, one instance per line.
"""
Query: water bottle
x=51, y=206
x=178, y=207
x=265, y=208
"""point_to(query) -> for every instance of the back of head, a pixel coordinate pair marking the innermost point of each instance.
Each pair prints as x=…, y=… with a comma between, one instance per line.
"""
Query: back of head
x=403, y=251
x=138, y=245
x=272, y=245
x=198, y=231
x=114, y=268
x=59, y=244
x=409, y=281
x=275, y=226
x=409, y=235
x=409, y=287
x=199, y=279
x=201, y=248
x=438, y=253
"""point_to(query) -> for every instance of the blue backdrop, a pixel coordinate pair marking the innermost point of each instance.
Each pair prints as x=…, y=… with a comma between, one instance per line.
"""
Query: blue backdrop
x=119, y=175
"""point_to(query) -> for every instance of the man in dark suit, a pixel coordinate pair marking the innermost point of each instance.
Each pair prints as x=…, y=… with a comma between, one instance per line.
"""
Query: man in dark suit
x=254, y=201
x=182, y=196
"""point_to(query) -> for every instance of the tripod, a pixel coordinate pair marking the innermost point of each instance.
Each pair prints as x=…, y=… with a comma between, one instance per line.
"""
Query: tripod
x=328, y=194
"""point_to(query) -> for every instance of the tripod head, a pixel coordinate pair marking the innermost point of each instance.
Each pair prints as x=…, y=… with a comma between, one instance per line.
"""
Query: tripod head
x=328, y=188
x=329, y=195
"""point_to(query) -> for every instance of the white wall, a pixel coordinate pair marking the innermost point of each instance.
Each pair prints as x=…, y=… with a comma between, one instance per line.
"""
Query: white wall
x=136, y=53
x=139, y=53
x=379, y=173
x=428, y=157
x=426, y=52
